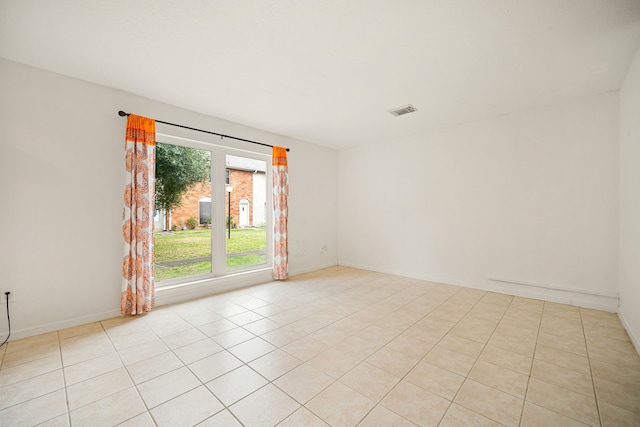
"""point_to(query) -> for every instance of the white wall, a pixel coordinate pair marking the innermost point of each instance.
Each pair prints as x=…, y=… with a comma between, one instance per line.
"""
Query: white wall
x=629, y=311
x=528, y=198
x=61, y=183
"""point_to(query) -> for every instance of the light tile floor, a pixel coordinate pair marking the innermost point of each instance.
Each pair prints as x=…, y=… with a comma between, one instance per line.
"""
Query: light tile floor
x=339, y=346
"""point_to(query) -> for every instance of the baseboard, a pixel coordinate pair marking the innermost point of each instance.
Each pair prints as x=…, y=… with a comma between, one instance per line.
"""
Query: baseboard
x=573, y=297
x=63, y=324
x=415, y=275
x=632, y=336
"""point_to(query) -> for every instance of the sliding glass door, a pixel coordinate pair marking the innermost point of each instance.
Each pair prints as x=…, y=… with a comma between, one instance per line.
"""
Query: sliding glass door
x=212, y=212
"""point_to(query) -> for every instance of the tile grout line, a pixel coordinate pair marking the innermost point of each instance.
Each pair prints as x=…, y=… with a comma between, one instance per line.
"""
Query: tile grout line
x=330, y=347
x=559, y=366
x=533, y=358
x=358, y=364
x=422, y=358
x=305, y=335
x=124, y=366
x=478, y=358
x=224, y=405
x=379, y=403
x=185, y=365
x=64, y=380
x=61, y=369
x=593, y=379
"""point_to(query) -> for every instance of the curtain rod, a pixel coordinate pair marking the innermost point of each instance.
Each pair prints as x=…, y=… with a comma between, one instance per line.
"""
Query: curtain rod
x=123, y=114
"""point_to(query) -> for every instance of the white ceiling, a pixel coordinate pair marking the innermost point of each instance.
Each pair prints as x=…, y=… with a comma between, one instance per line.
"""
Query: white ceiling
x=327, y=71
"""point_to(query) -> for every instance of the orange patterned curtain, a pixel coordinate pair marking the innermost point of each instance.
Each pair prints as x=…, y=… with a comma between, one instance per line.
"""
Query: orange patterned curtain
x=137, y=228
x=280, y=213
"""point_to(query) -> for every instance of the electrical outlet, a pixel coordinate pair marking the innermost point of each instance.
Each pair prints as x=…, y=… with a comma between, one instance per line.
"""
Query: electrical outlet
x=12, y=295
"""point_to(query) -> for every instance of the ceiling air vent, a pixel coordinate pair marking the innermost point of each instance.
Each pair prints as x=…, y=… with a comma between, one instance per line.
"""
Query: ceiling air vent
x=403, y=110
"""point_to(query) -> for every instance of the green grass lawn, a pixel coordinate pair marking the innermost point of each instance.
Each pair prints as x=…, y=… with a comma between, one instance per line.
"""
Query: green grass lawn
x=190, y=244
x=182, y=245
x=163, y=273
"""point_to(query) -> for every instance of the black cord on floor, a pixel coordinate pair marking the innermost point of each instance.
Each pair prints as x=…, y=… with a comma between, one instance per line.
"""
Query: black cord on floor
x=8, y=320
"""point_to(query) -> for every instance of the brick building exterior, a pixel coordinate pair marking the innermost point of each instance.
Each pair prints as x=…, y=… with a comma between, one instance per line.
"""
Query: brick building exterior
x=189, y=205
x=243, y=209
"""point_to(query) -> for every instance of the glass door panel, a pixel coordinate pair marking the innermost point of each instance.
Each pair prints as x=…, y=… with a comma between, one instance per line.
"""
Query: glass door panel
x=246, y=218
x=183, y=212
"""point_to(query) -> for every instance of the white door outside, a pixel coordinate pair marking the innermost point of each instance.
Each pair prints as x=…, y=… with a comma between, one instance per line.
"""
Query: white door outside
x=244, y=213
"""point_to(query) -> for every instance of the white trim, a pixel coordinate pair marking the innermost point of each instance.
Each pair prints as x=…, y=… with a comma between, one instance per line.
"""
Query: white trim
x=219, y=205
x=63, y=324
x=553, y=287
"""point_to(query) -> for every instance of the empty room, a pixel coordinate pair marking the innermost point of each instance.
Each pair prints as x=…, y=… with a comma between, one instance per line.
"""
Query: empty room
x=320, y=213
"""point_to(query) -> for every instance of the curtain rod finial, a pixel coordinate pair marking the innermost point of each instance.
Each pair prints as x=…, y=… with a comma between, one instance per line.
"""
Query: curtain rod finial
x=122, y=113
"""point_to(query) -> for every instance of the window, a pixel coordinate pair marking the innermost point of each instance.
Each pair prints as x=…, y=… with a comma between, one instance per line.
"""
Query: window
x=211, y=227
x=204, y=211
